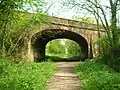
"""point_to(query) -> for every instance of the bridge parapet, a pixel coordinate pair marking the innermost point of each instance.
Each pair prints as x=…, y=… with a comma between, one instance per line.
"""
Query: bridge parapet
x=76, y=24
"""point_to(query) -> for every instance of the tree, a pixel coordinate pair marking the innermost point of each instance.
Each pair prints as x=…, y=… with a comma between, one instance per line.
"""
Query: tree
x=102, y=13
x=73, y=48
x=55, y=47
x=15, y=18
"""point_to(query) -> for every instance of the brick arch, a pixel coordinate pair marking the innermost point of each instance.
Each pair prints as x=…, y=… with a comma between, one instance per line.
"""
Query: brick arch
x=40, y=40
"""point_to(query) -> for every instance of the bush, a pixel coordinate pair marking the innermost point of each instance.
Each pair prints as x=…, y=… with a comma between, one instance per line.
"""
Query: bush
x=24, y=76
x=96, y=76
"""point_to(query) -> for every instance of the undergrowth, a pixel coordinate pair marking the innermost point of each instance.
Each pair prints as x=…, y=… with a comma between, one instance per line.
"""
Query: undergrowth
x=25, y=76
x=97, y=76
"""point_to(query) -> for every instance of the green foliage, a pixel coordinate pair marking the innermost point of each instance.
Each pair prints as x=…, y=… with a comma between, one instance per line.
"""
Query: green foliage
x=107, y=54
x=73, y=48
x=16, y=21
x=96, y=76
x=55, y=47
x=68, y=49
x=104, y=44
x=25, y=76
x=85, y=19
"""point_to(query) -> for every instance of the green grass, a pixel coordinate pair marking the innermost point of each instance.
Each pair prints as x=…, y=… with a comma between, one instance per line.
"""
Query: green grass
x=61, y=57
x=96, y=76
x=25, y=76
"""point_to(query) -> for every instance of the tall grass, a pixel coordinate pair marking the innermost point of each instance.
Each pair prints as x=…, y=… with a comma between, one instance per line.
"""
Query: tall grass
x=96, y=76
x=25, y=76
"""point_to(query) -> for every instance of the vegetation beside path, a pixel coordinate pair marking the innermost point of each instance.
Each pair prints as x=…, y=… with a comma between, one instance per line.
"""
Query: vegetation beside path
x=25, y=76
x=97, y=76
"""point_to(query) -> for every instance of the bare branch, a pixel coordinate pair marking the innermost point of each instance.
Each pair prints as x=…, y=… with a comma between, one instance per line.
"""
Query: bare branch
x=111, y=2
x=106, y=27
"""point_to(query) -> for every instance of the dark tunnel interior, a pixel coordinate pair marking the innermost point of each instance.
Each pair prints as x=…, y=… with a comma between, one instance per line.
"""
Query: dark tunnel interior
x=40, y=40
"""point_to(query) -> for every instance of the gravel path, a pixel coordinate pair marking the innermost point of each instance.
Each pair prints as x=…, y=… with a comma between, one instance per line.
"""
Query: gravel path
x=64, y=78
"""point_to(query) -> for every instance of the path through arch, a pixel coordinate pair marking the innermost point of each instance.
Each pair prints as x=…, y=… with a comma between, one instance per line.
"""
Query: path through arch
x=40, y=40
x=64, y=78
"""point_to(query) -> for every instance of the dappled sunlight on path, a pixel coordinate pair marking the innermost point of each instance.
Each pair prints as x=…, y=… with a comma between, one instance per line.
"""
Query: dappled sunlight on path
x=64, y=78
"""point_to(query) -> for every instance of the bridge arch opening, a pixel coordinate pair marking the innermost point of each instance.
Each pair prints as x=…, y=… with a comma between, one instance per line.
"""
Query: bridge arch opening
x=63, y=50
x=40, y=40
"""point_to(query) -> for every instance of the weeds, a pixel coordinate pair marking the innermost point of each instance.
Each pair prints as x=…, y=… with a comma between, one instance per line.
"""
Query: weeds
x=24, y=76
x=96, y=76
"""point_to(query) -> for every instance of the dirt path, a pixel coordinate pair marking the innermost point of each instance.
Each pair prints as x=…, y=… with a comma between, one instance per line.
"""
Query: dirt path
x=64, y=78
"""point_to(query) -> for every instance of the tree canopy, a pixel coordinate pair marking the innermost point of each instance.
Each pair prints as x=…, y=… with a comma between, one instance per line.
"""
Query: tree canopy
x=15, y=18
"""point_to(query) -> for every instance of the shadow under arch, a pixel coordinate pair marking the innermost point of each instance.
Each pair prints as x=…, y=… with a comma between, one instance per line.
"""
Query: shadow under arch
x=40, y=40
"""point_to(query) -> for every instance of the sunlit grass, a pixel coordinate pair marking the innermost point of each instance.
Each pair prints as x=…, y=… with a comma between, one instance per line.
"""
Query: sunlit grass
x=25, y=76
x=96, y=76
x=61, y=57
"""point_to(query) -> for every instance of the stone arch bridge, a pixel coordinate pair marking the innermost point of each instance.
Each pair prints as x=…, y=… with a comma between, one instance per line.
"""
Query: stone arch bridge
x=81, y=32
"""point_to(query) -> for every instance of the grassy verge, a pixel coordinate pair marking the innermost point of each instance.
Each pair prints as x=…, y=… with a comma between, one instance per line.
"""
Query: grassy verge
x=25, y=76
x=96, y=76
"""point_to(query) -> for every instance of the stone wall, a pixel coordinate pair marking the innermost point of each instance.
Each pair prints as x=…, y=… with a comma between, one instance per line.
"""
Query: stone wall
x=86, y=30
